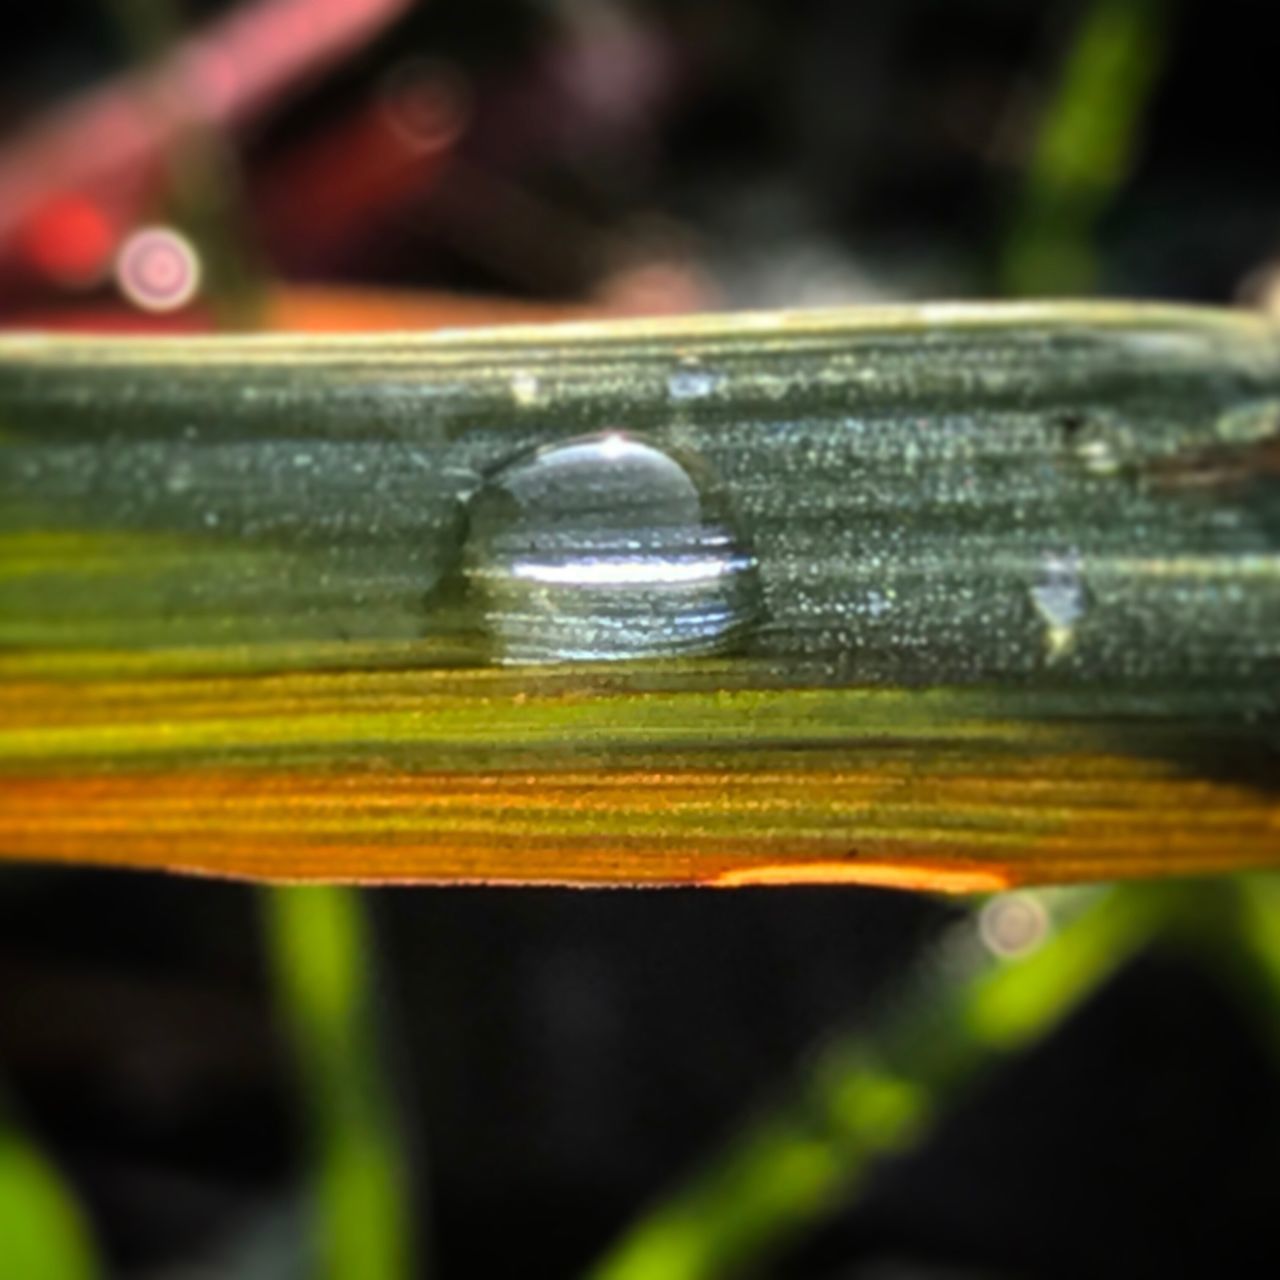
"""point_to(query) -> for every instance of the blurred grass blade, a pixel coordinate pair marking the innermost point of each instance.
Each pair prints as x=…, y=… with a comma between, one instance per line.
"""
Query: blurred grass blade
x=944, y=596
x=319, y=944
x=43, y=1235
x=1085, y=145
x=1249, y=952
x=865, y=1097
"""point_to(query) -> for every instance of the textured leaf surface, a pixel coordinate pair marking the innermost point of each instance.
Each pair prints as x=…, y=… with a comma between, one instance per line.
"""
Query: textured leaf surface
x=1013, y=610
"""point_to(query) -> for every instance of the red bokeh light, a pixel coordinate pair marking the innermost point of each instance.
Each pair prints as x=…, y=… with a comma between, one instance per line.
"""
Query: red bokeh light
x=70, y=241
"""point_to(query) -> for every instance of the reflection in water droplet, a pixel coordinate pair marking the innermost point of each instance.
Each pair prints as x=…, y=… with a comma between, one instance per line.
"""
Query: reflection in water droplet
x=1059, y=598
x=607, y=548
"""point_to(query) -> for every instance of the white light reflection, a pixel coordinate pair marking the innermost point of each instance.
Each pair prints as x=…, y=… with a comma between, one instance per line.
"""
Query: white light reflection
x=624, y=573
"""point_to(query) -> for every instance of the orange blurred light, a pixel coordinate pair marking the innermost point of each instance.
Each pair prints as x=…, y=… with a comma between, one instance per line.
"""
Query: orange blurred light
x=885, y=875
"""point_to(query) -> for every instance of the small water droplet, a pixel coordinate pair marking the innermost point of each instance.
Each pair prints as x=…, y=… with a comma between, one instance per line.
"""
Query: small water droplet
x=1093, y=438
x=606, y=548
x=525, y=388
x=1250, y=423
x=692, y=382
x=876, y=604
x=1059, y=598
x=1098, y=456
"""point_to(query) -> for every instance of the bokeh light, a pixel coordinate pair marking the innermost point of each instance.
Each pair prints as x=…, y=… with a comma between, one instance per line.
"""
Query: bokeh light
x=1013, y=925
x=158, y=269
x=427, y=103
x=69, y=241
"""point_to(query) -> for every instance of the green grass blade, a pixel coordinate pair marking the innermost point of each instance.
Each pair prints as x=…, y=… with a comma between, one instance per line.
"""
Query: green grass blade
x=866, y=1097
x=1085, y=147
x=43, y=1235
x=318, y=938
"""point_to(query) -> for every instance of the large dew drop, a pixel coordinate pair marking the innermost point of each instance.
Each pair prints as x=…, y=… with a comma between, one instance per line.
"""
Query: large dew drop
x=607, y=548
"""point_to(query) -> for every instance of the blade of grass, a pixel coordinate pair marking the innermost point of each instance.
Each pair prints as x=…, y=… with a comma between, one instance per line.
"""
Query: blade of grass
x=1032, y=643
x=1085, y=146
x=1251, y=941
x=43, y=1235
x=203, y=181
x=318, y=938
x=863, y=1098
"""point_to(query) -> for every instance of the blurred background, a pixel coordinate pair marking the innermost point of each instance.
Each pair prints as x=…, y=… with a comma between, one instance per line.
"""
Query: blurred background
x=551, y=1065
x=357, y=163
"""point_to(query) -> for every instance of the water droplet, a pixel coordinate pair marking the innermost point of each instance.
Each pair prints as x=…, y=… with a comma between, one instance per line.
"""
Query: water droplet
x=1249, y=423
x=692, y=382
x=876, y=604
x=606, y=548
x=1059, y=598
x=1098, y=456
x=1093, y=438
x=525, y=388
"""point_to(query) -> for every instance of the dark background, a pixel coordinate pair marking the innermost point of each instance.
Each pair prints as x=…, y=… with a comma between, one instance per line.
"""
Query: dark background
x=564, y=1057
